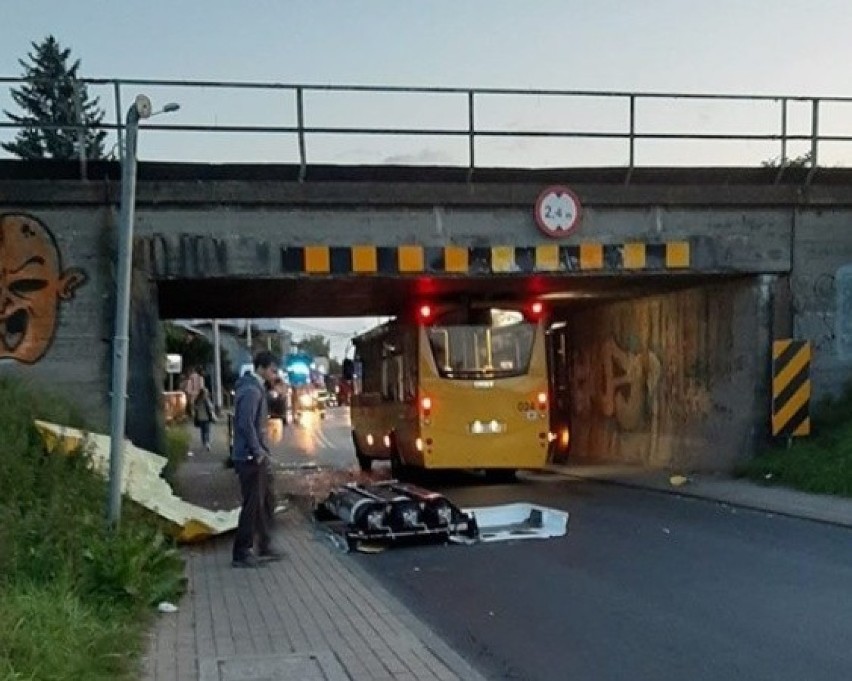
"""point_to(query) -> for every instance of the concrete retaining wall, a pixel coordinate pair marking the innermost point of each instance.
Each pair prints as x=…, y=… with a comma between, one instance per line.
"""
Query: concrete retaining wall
x=75, y=245
x=669, y=381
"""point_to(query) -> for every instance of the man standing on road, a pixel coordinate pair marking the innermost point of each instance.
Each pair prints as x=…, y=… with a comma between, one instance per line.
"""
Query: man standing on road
x=252, y=463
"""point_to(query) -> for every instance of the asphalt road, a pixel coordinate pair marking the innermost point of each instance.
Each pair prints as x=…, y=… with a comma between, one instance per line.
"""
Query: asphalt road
x=644, y=586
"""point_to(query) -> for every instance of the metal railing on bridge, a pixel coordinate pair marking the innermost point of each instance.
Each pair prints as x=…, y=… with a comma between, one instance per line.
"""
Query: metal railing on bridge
x=607, y=117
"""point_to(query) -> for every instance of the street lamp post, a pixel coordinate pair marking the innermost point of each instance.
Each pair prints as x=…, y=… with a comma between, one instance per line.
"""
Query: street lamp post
x=121, y=341
x=217, y=366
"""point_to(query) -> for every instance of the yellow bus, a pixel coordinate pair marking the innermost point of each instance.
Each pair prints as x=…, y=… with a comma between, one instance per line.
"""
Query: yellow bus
x=453, y=386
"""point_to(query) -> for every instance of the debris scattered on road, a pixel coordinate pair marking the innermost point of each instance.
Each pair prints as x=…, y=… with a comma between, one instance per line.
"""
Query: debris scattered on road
x=391, y=512
x=167, y=607
x=519, y=521
x=369, y=547
x=678, y=480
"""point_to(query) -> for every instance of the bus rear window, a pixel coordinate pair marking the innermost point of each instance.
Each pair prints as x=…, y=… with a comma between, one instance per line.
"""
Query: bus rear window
x=500, y=349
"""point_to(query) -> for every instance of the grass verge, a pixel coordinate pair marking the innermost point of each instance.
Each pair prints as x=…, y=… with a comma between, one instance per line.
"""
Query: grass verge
x=821, y=463
x=74, y=596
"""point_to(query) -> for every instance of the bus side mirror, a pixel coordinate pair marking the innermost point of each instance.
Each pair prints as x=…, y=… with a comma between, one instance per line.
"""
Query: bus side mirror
x=348, y=370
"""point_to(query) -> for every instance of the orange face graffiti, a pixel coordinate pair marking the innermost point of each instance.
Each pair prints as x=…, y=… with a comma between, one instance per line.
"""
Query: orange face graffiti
x=32, y=286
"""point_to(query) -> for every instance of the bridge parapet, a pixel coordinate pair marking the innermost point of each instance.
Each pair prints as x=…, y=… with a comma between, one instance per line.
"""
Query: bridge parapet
x=474, y=128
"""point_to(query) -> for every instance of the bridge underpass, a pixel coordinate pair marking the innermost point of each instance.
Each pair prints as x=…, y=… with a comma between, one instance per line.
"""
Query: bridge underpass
x=385, y=296
x=658, y=370
x=671, y=290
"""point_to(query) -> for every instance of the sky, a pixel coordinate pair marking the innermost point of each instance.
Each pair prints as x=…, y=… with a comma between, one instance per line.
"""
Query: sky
x=725, y=46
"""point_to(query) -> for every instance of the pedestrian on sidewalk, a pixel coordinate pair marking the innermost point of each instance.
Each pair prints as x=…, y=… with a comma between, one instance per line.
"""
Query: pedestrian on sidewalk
x=204, y=415
x=253, y=465
x=194, y=385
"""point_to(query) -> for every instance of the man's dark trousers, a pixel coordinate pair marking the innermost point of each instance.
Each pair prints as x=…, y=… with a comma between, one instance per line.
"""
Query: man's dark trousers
x=258, y=507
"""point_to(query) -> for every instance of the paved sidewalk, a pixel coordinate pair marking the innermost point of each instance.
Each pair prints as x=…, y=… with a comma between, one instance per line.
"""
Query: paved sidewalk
x=736, y=492
x=309, y=617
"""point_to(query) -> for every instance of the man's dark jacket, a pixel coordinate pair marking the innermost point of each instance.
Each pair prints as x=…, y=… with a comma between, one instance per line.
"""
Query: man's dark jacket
x=250, y=419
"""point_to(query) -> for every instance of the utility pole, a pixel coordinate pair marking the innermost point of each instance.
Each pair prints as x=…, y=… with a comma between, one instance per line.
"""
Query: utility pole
x=217, y=366
x=121, y=335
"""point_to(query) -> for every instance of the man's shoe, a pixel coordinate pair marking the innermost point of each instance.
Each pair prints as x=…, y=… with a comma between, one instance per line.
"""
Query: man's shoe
x=271, y=556
x=246, y=562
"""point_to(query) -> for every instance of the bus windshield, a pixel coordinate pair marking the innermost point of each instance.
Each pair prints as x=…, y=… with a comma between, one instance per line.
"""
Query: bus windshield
x=500, y=349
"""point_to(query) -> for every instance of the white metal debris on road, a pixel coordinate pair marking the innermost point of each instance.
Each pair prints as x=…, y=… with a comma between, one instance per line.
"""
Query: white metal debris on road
x=518, y=521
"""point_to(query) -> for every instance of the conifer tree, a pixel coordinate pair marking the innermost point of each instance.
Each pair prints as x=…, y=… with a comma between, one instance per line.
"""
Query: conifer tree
x=47, y=97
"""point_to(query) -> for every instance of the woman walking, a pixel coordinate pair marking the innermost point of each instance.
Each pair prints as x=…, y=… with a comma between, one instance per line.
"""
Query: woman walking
x=205, y=415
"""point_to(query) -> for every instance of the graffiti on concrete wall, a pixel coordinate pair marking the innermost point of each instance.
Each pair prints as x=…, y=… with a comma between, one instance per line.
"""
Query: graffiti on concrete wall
x=33, y=285
x=630, y=385
x=619, y=384
x=633, y=387
x=814, y=302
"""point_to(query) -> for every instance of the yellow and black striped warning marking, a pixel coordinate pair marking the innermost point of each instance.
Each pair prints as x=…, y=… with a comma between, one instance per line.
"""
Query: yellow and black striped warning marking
x=791, y=388
x=416, y=259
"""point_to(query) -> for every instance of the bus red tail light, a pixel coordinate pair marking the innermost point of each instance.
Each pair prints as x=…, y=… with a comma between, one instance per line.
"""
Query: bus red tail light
x=426, y=405
x=542, y=400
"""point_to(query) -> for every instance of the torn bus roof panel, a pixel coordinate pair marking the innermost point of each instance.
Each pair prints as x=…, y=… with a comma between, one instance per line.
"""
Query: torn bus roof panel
x=141, y=481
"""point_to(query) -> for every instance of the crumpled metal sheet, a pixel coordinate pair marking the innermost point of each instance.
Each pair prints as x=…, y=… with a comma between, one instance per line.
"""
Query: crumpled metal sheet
x=518, y=521
x=141, y=482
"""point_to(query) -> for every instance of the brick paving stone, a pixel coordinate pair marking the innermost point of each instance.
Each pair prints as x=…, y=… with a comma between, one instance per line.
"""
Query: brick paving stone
x=271, y=620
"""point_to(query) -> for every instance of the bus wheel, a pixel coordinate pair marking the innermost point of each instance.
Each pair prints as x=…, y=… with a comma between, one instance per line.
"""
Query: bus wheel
x=501, y=475
x=365, y=463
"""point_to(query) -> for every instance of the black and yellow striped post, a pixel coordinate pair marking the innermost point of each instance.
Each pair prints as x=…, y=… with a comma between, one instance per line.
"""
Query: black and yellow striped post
x=791, y=388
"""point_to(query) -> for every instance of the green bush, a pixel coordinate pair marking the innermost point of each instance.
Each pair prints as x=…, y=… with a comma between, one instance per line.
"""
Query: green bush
x=135, y=567
x=821, y=463
x=62, y=572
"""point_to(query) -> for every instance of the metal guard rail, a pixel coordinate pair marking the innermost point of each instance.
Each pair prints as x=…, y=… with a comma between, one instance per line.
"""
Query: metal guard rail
x=470, y=131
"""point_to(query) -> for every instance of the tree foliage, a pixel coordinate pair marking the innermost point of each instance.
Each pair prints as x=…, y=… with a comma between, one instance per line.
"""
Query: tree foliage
x=196, y=350
x=316, y=345
x=802, y=161
x=53, y=95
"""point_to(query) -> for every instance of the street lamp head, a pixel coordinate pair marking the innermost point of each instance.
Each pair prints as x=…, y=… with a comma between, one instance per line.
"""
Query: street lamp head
x=143, y=106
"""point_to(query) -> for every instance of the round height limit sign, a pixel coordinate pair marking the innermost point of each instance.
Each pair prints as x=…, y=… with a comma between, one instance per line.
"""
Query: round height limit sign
x=557, y=211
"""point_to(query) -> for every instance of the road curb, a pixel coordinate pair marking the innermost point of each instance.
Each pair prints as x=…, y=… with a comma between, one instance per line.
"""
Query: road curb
x=687, y=493
x=433, y=641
